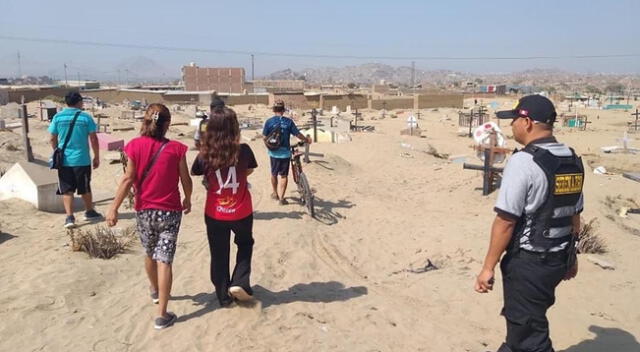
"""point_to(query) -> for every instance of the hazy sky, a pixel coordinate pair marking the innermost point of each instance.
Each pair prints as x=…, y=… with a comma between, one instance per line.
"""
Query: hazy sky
x=419, y=28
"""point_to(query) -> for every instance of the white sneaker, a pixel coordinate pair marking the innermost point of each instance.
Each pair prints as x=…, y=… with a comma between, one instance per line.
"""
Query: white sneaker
x=239, y=293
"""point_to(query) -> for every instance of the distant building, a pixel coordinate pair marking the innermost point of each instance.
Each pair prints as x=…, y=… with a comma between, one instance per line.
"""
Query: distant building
x=493, y=88
x=81, y=84
x=380, y=89
x=520, y=89
x=276, y=85
x=219, y=79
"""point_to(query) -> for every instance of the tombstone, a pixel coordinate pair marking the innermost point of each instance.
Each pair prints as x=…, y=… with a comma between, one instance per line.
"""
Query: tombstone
x=33, y=183
x=348, y=109
x=104, y=127
x=344, y=126
x=128, y=115
x=334, y=110
x=414, y=132
x=50, y=109
x=37, y=184
x=2, y=124
x=412, y=122
x=10, y=111
x=109, y=143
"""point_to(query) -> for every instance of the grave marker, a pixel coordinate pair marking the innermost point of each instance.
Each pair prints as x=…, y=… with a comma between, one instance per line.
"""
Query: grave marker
x=412, y=123
x=25, y=133
x=490, y=174
x=109, y=143
x=314, y=116
x=635, y=126
x=355, y=124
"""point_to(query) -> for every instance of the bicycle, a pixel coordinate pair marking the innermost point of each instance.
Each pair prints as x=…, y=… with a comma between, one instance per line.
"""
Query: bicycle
x=306, y=195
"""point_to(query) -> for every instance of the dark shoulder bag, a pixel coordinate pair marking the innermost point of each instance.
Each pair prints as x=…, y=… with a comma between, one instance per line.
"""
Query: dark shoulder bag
x=57, y=157
x=153, y=160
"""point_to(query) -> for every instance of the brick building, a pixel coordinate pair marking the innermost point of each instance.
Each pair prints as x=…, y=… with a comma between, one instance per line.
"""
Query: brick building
x=219, y=79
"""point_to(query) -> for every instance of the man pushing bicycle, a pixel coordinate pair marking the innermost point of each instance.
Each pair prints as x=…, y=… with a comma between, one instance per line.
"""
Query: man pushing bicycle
x=276, y=133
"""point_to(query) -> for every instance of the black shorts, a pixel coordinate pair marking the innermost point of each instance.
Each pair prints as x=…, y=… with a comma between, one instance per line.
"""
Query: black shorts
x=74, y=178
x=280, y=166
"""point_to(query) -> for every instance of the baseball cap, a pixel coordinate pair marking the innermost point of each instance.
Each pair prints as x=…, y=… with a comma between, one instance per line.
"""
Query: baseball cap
x=279, y=104
x=217, y=104
x=535, y=107
x=72, y=98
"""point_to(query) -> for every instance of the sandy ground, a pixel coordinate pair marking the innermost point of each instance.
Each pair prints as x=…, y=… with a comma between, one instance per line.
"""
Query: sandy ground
x=337, y=283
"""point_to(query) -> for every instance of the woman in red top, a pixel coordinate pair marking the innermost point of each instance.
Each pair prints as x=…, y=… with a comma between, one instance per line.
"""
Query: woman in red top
x=225, y=164
x=155, y=166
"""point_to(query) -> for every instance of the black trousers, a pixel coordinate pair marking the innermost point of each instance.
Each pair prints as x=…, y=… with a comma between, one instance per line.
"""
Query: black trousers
x=529, y=283
x=219, y=233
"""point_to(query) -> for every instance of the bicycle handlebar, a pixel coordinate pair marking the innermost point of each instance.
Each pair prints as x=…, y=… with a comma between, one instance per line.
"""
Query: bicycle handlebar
x=299, y=144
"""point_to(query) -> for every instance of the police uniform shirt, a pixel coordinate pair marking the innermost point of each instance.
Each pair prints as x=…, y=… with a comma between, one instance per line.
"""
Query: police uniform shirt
x=524, y=188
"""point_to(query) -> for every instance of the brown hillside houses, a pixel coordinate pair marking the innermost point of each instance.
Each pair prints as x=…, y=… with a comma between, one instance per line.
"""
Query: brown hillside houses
x=219, y=79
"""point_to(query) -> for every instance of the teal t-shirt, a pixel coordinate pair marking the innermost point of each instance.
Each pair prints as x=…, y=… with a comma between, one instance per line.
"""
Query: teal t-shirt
x=77, y=151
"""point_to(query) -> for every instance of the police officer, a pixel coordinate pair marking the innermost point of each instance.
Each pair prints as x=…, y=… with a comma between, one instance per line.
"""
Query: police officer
x=537, y=224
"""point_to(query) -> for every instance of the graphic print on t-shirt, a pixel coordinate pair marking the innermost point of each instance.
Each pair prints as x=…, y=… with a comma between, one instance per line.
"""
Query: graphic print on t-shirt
x=227, y=203
x=228, y=196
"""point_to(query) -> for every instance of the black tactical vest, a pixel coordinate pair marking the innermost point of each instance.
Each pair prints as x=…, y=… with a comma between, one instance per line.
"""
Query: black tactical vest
x=551, y=224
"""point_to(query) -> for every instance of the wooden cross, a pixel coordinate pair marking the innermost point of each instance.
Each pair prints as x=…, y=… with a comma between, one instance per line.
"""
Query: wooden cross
x=314, y=116
x=28, y=152
x=355, y=123
x=471, y=123
x=490, y=174
x=635, y=124
x=481, y=114
x=585, y=122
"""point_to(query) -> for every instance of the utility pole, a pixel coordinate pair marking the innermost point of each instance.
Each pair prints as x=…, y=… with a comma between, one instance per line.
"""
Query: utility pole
x=413, y=77
x=252, y=68
x=66, y=81
x=19, y=66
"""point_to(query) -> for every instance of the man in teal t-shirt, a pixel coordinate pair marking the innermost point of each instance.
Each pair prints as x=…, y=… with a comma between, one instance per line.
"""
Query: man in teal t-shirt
x=75, y=173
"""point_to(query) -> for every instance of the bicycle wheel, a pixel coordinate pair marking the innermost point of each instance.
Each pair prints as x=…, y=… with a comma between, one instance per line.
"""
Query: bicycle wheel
x=307, y=195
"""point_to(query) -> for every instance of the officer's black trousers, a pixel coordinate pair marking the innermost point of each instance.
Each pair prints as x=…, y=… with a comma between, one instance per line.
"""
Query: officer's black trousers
x=529, y=283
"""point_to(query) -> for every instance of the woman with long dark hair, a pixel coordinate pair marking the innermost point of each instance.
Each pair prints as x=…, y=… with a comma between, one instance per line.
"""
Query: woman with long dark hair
x=154, y=168
x=225, y=163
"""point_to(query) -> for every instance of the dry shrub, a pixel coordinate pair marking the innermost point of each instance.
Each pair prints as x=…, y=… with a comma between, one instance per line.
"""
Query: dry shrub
x=10, y=147
x=130, y=196
x=55, y=99
x=590, y=242
x=102, y=242
x=433, y=151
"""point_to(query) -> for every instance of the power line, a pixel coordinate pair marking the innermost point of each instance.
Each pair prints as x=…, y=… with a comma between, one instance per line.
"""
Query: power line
x=283, y=54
